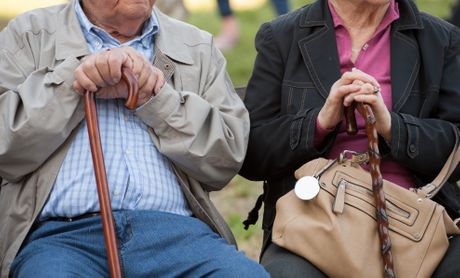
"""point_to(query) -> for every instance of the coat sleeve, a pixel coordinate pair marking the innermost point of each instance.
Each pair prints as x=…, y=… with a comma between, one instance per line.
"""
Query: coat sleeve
x=38, y=108
x=204, y=133
x=279, y=142
x=423, y=144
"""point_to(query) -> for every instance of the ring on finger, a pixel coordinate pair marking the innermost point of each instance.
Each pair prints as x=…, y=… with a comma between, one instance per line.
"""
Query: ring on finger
x=376, y=90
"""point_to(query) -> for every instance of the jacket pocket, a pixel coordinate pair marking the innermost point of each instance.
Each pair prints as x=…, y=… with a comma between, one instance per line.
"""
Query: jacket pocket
x=297, y=96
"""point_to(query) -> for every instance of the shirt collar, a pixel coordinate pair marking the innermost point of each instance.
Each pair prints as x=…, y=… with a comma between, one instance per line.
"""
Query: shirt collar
x=150, y=28
x=391, y=15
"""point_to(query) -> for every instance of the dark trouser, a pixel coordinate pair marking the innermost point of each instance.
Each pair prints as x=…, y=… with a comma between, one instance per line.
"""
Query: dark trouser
x=279, y=262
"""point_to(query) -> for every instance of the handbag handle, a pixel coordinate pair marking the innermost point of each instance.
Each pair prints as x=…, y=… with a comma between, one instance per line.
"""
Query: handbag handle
x=377, y=179
x=103, y=192
x=432, y=188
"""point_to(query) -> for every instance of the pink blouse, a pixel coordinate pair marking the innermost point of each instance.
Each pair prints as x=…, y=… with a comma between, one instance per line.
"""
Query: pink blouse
x=374, y=59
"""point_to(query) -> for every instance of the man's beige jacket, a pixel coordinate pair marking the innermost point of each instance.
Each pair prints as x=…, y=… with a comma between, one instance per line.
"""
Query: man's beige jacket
x=197, y=120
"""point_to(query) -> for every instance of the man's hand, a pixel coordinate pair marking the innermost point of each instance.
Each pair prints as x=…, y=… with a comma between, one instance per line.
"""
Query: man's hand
x=101, y=73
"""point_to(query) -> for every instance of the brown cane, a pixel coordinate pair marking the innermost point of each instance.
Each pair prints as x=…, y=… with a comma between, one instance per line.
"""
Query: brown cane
x=108, y=223
x=377, y=180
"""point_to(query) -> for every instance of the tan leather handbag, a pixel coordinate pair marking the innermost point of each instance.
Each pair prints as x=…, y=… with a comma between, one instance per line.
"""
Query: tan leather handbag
x=337, y=229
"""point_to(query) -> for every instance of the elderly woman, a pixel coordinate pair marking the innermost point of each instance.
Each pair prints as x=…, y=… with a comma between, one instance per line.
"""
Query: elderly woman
x=313, y=62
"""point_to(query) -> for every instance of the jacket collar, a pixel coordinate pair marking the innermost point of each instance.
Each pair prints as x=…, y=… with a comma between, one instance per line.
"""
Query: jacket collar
x=170, y=39
x=318, y=15
x=317, y=44
x=70, y=41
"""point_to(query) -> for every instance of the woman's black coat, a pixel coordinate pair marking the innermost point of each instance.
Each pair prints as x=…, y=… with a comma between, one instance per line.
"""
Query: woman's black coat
x=296, y=65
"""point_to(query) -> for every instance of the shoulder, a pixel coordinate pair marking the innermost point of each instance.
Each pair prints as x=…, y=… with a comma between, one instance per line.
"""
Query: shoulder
x=284, y=29
x=185, y=32
x=285, y=24
x=24, y=27
x=440, y=32
x=35, y=21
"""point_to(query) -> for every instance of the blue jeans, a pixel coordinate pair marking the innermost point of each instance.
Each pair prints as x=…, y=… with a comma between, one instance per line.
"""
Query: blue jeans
x=151, y=244
x=281, y=7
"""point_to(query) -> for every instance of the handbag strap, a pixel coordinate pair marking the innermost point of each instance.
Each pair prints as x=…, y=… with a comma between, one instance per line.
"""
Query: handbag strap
x=432, y=188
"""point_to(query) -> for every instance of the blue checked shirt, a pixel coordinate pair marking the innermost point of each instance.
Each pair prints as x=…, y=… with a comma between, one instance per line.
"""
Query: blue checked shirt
x=139, y=176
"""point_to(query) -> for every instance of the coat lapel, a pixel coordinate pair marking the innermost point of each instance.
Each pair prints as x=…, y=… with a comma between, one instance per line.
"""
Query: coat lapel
x=403, y=75
x=404, y=48
x=319, y=47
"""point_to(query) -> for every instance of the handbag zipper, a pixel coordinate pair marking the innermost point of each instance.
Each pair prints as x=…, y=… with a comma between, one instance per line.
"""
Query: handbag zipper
x=339, y=201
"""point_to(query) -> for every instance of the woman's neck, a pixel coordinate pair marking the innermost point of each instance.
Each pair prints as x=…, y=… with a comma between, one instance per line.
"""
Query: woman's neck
x=360, y=15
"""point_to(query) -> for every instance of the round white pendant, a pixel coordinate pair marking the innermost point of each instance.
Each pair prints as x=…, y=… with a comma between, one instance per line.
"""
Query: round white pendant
x=306, y=188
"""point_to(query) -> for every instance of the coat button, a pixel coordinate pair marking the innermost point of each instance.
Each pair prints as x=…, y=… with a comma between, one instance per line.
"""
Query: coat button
x=412, y=148
x=167, y=66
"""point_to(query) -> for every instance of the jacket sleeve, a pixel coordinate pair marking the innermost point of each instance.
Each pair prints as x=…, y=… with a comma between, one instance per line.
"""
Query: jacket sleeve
x=423, y=144
x=38, y=108
x=204, y=133
x=279, y=142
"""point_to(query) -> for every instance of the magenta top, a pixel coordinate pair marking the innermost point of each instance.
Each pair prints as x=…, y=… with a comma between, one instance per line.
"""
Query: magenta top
x=374, y=59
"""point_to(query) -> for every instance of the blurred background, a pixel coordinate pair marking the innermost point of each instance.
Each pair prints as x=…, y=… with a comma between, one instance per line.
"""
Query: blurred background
x=239, y=196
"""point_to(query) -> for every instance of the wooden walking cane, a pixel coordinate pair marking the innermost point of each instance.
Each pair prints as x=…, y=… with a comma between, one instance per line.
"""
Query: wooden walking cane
x=377, y=179
x=103, y=192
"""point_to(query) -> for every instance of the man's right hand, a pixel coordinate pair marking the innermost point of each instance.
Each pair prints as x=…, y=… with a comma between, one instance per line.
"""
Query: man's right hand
x=101, y=73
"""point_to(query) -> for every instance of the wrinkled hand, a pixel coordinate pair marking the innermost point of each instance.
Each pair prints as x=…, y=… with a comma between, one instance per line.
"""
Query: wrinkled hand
x=370, y=94
x=355, y=86
x=101, y=73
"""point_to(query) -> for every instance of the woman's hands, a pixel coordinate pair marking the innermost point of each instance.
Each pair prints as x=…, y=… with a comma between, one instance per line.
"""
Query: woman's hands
x=355, y=86
x=101, y=73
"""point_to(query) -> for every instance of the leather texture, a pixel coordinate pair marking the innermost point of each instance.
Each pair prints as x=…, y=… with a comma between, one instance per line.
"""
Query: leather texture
x=346, y=242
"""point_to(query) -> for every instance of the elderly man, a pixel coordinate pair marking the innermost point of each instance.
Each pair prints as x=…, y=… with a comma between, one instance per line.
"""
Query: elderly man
x=187, y=136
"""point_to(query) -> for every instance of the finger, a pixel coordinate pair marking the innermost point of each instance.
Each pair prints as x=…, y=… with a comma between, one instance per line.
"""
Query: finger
x=147, y=90
x=368, y=76
x=91, y=71
x=350, y=76
x=138, y=64
x=160, y=81
x=115, y=60
x=358, y=82
x=366, y=89
x=144, y=74
x=78, y=89
x=84, y=81
x=103, y=67
x=347, y=89
x=372, y=100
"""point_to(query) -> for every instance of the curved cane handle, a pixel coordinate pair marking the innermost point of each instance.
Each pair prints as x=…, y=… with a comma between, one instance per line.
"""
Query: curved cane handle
x=133, y=87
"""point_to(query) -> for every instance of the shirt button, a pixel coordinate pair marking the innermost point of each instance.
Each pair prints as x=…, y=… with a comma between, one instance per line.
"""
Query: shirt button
x=126, y=118
x=117, y=191
x=412, y=148
x=127, y=151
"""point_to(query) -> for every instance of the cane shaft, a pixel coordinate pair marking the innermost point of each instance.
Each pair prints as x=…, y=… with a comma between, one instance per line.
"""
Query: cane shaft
x=103, y=192
x=377, y=183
